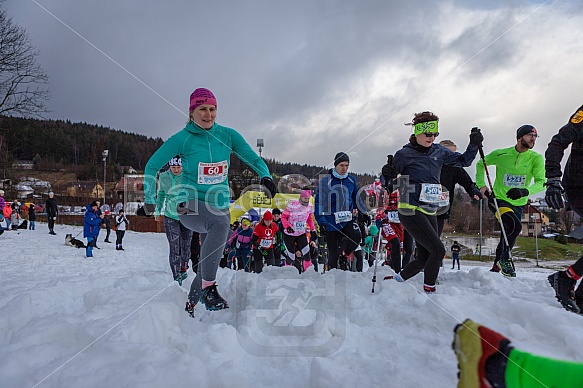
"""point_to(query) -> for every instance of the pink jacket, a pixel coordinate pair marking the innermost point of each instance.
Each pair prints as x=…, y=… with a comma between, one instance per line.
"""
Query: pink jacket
x=299, y=217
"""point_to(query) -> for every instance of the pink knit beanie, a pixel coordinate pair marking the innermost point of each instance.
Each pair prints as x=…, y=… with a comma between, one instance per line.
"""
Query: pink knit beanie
x=202, y=96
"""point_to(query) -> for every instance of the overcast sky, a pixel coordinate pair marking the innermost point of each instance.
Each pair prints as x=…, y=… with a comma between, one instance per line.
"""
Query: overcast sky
x=313, y=77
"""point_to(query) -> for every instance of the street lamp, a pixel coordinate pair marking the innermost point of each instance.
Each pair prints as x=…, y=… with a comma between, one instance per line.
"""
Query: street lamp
x=104, y=154
x=260, y=145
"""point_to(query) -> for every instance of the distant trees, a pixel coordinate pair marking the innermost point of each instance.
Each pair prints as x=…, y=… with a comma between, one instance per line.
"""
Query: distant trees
x=23, y=90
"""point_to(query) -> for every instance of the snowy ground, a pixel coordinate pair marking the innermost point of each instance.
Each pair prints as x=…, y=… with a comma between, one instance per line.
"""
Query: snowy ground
x=117, y=320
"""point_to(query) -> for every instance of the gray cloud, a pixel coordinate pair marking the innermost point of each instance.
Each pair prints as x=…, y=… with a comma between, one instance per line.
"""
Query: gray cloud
x=312, y=77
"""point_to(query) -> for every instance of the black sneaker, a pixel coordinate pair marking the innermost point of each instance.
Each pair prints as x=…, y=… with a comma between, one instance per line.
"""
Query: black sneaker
x=507, y=268
x=190, y=308
x=212, y=300
x=564, y=288
x=495, y=268
x=343, y=262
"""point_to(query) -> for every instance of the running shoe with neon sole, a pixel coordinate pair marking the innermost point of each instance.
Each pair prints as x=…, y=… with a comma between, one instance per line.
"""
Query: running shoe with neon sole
x=564, y=288
x=482, y=355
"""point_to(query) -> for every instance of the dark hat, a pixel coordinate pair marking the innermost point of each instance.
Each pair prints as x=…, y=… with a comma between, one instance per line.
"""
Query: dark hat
x=525, y=130
x=276, y=211
x=341, y=157
x=94, y=203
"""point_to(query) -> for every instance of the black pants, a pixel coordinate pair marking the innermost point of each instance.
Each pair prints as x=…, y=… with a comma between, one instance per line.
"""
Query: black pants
x=258, y=259
x=430, y=249
x=108, y=230
x=119, y=237
x=51, y=220
x=575, y=202
x=512, y=226
x=395, y=254
x=346, y=240
x=408, y=248
x=293, y=244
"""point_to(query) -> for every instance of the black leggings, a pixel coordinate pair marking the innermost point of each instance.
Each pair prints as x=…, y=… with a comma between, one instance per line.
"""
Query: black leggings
x=511, y=223
x=395, y=254
x=345, y=241
x=430, y=249
x=575, y=202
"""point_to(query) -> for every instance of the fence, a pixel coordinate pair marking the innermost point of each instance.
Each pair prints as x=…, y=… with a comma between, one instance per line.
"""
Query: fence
x=137, y=223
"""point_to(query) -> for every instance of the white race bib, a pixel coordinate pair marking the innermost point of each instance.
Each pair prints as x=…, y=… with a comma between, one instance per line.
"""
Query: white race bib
x=266, y=243
x=344, y=216
x=430, y=193
x=299, y=225
x=514, y=180
x=212, y=173
x=393, y=217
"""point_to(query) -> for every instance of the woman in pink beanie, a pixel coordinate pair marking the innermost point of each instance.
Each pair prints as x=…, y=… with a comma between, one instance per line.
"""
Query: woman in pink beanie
x=205, y=149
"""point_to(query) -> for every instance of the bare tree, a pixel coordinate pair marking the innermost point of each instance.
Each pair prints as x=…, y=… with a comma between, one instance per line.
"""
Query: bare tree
x=23, y=90
x=567, y=219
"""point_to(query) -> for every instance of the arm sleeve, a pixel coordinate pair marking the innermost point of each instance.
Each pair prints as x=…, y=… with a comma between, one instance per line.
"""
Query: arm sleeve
x=480, y=181
x=556, y=149
x=461, y=160
x=538, y=172
x=463, y=179
x=170, y=148
x=285, y=218
x=160, y=197
x=310, y=222
x=254, y=240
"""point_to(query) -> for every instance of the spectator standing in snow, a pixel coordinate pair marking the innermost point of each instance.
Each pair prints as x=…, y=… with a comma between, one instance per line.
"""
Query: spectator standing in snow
x=91, y=223
x=107, y=223
x=121, y=224
x=2, y=206
x=52, y=212
x=205, y=148
x=31, y=217
x=179, y=236
x=455, y=254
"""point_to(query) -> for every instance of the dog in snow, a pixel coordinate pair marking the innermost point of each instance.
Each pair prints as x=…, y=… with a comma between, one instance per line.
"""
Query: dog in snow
x=73, y=242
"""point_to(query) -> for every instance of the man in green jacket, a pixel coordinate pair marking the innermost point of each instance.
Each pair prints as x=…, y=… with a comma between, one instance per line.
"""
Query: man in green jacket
x=516, y=169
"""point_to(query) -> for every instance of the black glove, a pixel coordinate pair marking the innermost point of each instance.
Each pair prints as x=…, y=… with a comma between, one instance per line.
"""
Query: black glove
x=554, y=195
x=477, y=193
x=364, y=218
x=313, y=236
x=147, y=210
x=476, y=137
x=269, y=185
x=388, y=172
x=517, y=193
x=323, y=230
x=289, y=229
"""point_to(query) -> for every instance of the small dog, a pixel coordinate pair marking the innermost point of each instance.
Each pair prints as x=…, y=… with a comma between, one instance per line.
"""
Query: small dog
x=73, y=242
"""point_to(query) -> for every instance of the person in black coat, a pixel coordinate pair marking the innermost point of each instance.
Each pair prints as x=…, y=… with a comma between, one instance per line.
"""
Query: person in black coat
x=52, y=212
x=450, y=175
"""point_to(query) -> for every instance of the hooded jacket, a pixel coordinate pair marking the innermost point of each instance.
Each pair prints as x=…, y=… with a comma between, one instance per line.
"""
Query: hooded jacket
x=205, y=158
x=169, y=191
x=91, y=222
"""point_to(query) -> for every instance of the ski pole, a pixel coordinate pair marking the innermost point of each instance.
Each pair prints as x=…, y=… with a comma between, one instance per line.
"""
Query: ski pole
x=481, y=150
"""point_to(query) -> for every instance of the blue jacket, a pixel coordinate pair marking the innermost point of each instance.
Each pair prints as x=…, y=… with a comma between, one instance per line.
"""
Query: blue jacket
x=91, y=223
x=423, y=165
x=335, y=195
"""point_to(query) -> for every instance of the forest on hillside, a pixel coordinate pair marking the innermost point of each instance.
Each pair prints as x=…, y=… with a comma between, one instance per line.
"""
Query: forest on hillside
x=60, y=145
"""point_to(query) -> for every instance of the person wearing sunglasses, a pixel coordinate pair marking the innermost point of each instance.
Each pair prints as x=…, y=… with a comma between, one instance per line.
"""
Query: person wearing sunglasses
x=420, y=193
